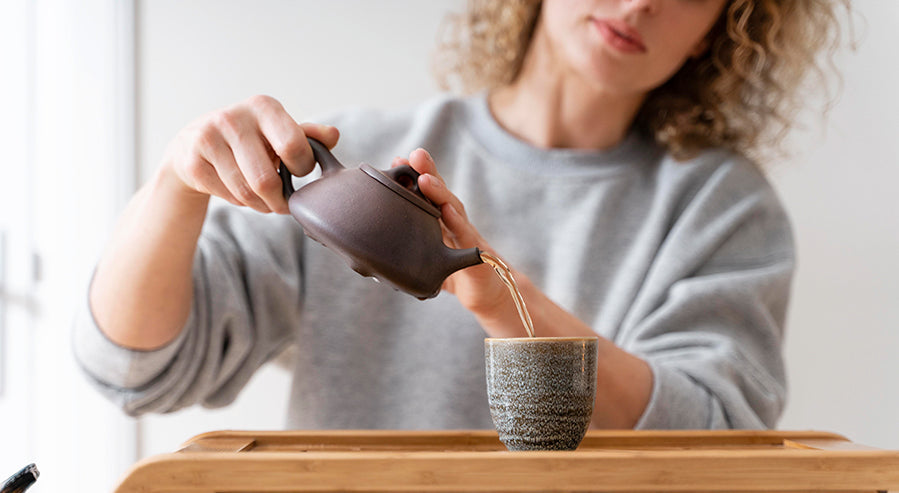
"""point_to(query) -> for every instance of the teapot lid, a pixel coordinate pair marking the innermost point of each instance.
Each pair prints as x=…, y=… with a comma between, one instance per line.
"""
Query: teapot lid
x=404, y=181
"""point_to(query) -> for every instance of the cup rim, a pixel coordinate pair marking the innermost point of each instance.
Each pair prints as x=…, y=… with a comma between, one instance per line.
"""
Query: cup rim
x=527, y=339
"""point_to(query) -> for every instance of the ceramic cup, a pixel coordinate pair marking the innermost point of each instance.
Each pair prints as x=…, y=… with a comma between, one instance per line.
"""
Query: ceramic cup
x=541, y=390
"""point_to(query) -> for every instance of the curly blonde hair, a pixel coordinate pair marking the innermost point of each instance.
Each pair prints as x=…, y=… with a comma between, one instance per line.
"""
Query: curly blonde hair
x=742, y=93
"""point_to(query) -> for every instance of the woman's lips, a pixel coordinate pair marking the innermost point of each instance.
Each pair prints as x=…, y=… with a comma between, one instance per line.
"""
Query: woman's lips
x=619, y=35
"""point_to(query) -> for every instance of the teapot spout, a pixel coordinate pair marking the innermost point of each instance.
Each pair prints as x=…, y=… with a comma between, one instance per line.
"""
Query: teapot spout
x=450, y=260
x=461, y=258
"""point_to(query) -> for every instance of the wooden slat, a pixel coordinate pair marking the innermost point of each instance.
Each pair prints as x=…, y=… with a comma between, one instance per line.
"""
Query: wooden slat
x=607, y=462
x=825, y=444
x=487, y=440
x=220, y=444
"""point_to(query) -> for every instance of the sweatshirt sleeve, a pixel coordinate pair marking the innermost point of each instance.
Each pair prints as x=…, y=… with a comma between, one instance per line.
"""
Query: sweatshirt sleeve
x=710, y=317
x=247, y=300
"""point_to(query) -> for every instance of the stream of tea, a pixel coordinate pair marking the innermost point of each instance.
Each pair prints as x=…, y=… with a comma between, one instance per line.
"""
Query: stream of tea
x=505, y=273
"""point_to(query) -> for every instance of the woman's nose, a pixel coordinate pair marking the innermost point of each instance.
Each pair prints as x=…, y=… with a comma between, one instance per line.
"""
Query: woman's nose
x=646, y=6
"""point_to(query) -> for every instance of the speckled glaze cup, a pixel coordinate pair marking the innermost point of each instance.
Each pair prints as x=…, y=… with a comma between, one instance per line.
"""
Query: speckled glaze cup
x=541, y=390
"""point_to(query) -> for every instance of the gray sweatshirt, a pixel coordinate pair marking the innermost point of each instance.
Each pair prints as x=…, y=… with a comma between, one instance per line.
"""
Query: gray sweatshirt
x=685, y=264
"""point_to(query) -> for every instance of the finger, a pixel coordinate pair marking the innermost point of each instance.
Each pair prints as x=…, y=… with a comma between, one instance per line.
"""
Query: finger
x=292, y=144
x=326, y=134
x=259, y=170
x=430, y=182
x=457, y=229
x=233, y=178
x=229, y=173
x=398, y=161
x=248, y=170
x=463, y=234
x=286, y=137
x=205, y=179
x=421, y=161
x=212, y=160
x=448, y=236
x=436, y=190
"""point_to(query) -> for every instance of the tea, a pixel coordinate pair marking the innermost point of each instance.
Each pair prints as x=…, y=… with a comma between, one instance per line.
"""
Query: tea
x=505, y=273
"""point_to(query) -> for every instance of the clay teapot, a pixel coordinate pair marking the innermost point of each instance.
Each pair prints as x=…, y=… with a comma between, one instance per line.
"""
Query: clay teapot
x=378, y=221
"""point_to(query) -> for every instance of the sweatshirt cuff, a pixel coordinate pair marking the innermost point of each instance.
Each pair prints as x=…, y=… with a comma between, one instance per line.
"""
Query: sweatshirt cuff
x=674, y=403
x=115, y=365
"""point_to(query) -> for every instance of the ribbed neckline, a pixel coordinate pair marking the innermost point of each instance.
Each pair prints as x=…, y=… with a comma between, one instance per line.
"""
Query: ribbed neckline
x=480, y=124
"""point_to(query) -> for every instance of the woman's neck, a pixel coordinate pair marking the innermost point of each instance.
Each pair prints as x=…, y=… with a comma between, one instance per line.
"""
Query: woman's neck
x=550, y=106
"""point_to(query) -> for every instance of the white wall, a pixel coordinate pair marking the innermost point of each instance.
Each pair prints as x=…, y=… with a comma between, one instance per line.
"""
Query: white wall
x=60, y=135
x=314, y=57
x=843, y=340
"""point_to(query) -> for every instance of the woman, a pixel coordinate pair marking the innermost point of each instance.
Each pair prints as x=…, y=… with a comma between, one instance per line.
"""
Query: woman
x=605, y=162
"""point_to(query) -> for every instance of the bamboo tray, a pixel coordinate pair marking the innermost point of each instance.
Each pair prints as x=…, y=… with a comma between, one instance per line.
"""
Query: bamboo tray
x=468, y=461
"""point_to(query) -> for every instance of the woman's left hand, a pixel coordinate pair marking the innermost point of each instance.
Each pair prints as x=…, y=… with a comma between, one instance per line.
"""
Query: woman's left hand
x=478, y=288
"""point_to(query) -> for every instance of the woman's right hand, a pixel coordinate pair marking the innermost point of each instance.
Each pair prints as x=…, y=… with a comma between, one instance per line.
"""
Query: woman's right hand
x=234, y=153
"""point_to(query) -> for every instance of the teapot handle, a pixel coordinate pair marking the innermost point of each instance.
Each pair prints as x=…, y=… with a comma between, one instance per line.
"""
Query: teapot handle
x=322, y=156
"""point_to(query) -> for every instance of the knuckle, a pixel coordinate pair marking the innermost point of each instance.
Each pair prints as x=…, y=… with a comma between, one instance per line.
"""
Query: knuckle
x=263, y=101
x=294, y=146
x=244, y=193
x=228, y=121
x=197, y=171
x=265, y=183
x=207, y=137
